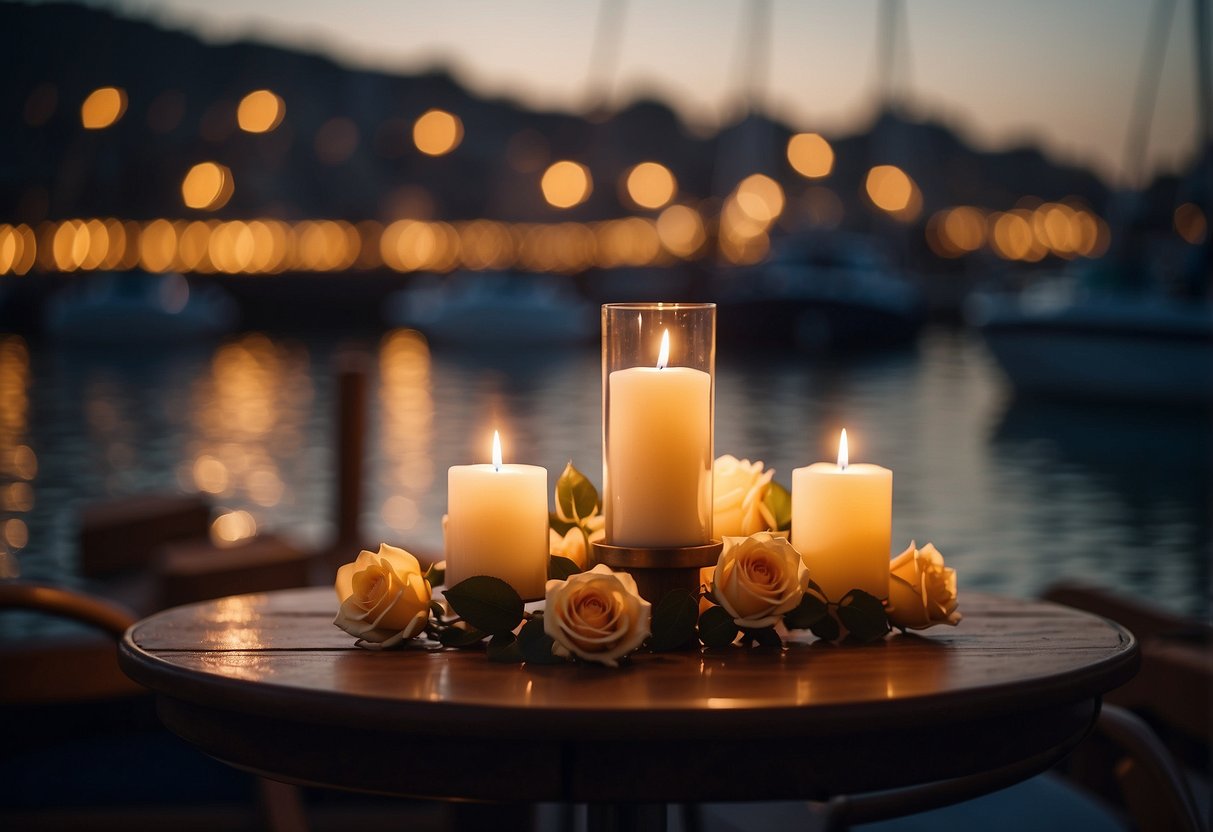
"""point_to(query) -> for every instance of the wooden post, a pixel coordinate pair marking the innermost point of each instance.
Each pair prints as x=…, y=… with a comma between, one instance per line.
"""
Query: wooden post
x=350, y=444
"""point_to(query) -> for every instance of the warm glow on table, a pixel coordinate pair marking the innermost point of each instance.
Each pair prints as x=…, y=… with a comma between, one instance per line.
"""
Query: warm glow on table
x=841, y=524
x=497, y=523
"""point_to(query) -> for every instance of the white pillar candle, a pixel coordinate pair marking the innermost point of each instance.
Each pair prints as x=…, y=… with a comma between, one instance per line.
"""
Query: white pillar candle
x=842, y=516
x=497, y=524
x=659, y=455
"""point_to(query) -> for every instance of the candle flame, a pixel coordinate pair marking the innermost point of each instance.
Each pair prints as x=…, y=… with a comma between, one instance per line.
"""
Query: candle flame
x=843, y=455
x=663, y=357
x=496, y=451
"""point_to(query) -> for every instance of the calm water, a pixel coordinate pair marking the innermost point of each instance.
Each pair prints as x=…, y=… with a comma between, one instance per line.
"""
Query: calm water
x=1016, y=494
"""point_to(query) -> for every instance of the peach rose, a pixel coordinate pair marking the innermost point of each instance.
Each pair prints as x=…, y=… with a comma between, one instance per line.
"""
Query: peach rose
x=576, y=540
x=597, y=615
x=384, y=596
x=738, y=490
x=922, y=591
x=758, y=579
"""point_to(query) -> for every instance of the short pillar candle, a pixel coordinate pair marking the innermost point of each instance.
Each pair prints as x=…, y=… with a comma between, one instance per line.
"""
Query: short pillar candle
x=841, y=524
x=497, y=524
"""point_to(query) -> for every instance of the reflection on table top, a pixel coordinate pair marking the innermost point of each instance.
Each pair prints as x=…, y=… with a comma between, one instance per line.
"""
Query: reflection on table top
x=261, y=653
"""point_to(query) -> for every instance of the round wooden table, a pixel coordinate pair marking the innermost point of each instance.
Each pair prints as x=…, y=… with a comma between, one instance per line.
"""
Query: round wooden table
x=268, y=684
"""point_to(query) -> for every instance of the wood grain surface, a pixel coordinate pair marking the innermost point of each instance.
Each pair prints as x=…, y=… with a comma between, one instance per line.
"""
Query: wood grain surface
x=267, y=682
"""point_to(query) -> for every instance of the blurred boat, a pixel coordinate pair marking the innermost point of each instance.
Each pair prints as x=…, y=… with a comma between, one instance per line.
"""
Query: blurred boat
x=1060, y=338
x=817, y=292
x=135, y=307
x=507, y=308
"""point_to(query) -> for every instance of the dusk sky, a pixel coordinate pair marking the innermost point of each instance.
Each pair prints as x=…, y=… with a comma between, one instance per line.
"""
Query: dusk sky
x=1063, y=74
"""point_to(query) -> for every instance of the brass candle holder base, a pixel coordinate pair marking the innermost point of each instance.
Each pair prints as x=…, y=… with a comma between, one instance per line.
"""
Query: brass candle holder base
x=659, y=570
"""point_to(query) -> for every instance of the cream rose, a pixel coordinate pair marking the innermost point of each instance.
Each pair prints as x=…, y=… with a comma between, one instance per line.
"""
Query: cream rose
x=596, y=615
x=758, y=579
x=384, y=597
x=922, y=591
x=576, y=540
x=739, y=488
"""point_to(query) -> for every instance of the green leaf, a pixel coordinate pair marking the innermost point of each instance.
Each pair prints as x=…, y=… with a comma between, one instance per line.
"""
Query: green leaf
x=536, y=645
x=863, y=615
x=434, y=575
x=486, y=603
x=561, y=527
x=826, y=628
x=779, y=502
x=765, y=636
x=674, y=620
x=815, y=588
x=460, y=635
x=503, y=648
x=561, y=568
x=716, y=627
x=437, y=611
x=810, y=610
x=576, y=497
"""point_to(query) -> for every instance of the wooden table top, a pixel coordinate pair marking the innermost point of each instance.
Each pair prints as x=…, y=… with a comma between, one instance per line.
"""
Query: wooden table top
x=240, y=673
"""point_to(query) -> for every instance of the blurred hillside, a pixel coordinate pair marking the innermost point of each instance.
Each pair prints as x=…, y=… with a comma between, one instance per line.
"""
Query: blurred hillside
x=344, y=149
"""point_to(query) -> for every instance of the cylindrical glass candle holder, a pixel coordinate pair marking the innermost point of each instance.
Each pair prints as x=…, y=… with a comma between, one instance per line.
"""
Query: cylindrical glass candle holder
x=658, y=420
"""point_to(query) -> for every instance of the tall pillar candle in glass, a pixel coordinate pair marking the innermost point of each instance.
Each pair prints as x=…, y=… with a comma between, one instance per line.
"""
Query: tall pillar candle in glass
x=658, y=411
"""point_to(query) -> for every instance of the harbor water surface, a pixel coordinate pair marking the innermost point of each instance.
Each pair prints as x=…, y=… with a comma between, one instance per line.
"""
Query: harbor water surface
x=1016, y=494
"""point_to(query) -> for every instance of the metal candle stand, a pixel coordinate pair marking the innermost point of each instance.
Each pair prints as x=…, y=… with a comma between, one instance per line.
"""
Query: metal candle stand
x=659, y=570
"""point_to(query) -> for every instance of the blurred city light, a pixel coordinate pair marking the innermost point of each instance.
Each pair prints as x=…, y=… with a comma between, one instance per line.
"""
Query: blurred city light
x=207, y=186
x=810, y=155
x=260, y=111
x=566, y=183
x=437, y=132
x=103, y=107
x=650, y=185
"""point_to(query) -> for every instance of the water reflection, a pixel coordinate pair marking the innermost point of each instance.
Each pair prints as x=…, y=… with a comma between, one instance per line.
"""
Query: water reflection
x=247, y=416
x=1015, y=494
x=18, y=464
x=1123, y=492
x=407, y=403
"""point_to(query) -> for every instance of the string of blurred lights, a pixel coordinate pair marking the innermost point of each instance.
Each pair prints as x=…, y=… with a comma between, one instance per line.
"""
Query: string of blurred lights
x=680, y=232
x=1028, y=232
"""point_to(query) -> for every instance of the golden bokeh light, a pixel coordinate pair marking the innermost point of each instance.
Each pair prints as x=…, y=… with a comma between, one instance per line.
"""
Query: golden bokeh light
x=232, y=527
x=260, y=111
x=681, y=231
x=437, y=132
x=16, y=533
x=207, y=186
x=760, y=198
x=650, y=185
x=103, y=107
x=810, y=155
x=158, y=246
x=18, y=249
x=1190, y=223
x=411, y=245
x=889, y=188
x=566, y=183
x=1011, y=236
x=485, y=244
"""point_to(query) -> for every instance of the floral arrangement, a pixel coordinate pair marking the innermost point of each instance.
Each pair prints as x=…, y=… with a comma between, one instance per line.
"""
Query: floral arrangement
x=759, y=590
